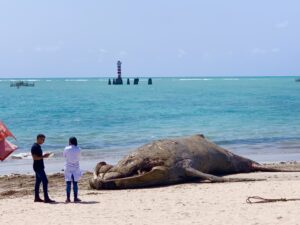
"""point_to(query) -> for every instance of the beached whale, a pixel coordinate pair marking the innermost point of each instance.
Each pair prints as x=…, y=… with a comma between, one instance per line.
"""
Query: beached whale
x=173, y=161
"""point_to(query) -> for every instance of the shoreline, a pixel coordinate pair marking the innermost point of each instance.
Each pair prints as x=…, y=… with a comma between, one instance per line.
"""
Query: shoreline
x=52, y=166
x=56, y=164
x=187, y=203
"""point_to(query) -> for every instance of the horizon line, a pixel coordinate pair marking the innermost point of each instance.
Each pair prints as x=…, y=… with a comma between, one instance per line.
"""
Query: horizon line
x=143, y=76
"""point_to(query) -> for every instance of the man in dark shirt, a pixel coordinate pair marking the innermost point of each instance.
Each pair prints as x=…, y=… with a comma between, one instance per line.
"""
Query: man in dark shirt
x=38, y=167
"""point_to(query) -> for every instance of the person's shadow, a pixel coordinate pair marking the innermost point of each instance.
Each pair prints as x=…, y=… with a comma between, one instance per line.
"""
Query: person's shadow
x=82, y=202
x=86, y=202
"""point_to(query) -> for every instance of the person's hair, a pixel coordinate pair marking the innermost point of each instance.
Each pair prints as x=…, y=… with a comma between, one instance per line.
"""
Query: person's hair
x=73, y=141
x=40, y=136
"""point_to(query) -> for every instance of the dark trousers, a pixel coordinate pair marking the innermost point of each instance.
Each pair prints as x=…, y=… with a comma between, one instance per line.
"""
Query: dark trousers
x=40, y=176
x=75, y=188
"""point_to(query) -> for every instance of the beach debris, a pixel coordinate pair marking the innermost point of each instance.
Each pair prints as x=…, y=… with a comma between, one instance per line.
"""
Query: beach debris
x=172, y=161
x=257, y=199
x=27, y=155
x=22, y=155
x=6, y=147
x=14, y=193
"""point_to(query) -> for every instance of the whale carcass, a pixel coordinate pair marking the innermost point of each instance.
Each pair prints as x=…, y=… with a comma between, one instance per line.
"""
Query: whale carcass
x=172, y=161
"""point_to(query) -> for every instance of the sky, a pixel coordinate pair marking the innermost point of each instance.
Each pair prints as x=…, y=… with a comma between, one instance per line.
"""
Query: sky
x=76, y=38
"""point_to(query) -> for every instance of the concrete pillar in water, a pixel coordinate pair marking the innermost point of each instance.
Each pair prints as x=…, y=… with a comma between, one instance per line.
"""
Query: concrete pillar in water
x=136, y=81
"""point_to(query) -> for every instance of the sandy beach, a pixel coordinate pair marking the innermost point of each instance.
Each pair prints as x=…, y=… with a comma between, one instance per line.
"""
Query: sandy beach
x=128, y=94
x=189, y=203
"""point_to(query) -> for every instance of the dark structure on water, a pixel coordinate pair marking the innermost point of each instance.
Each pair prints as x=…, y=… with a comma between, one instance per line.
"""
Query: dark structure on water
x=21, y=83
x=119, y=80
x=136, y=81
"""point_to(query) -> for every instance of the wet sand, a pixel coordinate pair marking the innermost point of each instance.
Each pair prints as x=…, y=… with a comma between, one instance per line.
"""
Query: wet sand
x=189, y=203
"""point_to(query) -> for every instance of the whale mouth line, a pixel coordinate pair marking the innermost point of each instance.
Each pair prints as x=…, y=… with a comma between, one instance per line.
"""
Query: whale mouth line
x=118, y=182
x=127, y=177
x=136, y=174
x=133, y=174
x=137, y=170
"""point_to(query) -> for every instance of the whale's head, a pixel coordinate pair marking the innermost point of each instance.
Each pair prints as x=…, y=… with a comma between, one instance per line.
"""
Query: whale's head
x=132, y=172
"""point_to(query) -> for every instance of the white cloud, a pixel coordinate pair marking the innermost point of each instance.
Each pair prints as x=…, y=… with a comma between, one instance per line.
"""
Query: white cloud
x=275, y=50
x=259, y=51
x=101, y=54
x=20, y=50
x=181, y=53
x=47, y=49
x=229, y=53
x=103, y=51
x=282, y=24
x=123, y=53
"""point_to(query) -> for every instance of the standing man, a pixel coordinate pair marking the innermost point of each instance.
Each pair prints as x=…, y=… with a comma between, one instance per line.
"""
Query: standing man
x=38, y=167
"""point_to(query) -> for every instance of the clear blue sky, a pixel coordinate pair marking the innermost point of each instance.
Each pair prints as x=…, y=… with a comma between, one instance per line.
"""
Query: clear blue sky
x=60, y=38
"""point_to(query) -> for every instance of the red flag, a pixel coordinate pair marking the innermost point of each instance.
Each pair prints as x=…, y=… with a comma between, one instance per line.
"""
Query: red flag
x=6, y=148
x=4, y=132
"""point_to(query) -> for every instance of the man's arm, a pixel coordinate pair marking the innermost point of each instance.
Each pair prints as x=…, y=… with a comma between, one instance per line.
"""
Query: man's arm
x=35, y=157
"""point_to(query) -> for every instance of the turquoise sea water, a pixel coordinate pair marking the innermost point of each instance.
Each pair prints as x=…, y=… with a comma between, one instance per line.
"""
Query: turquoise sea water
x=256, y=117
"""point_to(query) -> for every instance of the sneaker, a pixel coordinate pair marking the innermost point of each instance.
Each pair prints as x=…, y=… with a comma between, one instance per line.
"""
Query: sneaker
x=38, y=200
x=49, y=201
x=77, y=200
x=67, y=200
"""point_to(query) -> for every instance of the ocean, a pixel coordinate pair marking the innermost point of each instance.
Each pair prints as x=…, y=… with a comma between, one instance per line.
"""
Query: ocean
x=256, y=117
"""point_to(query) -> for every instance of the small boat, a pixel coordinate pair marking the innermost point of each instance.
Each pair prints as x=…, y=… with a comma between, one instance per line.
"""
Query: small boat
x=21, y=83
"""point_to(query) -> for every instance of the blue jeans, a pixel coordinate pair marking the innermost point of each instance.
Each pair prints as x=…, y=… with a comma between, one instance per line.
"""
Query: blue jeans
x=75, y=188
x=40, y=176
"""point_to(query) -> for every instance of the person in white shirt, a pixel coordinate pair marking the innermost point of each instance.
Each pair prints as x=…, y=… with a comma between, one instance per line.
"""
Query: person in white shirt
x=72, y=169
